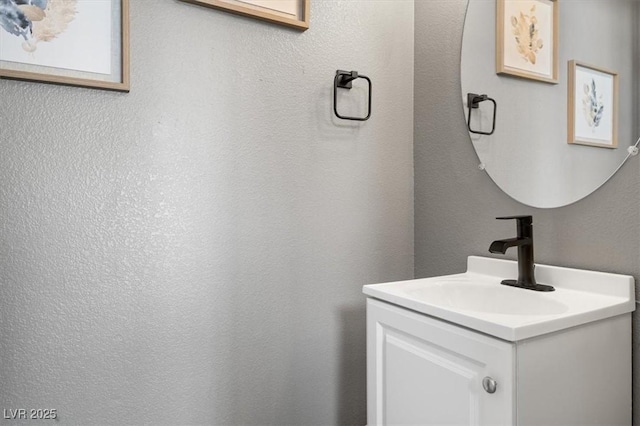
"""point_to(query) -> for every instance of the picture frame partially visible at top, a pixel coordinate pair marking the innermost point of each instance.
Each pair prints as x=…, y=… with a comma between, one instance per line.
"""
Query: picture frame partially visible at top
x=81, y=43
x=527, y=33
x=592, y=105
x=290, y=13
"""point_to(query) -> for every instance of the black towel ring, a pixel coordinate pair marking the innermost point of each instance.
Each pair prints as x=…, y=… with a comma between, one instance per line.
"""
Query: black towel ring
x=343, y=80
x=473, y=102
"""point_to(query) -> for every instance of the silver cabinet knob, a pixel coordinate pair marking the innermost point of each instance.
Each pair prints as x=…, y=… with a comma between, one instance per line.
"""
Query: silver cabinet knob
x=489, y=384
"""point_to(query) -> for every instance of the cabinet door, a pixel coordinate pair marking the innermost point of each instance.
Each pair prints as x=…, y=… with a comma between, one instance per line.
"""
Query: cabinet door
x=424, y=371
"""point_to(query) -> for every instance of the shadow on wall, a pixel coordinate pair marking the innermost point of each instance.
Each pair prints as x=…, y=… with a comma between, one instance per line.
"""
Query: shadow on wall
x=352, y=392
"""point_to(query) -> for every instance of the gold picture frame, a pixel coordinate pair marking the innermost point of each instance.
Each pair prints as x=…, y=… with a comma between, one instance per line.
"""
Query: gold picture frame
x=290, y=13
x=592, y=105
x=101, y=63
x=527, y=33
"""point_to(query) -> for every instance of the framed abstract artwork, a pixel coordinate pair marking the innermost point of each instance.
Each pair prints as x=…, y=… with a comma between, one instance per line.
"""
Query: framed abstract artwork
x=592, y=107
x=290, y=13
x=527, y=39
x=70, y=42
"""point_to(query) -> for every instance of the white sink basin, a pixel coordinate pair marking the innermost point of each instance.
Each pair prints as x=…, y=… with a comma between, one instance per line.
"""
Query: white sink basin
x=484, y=295
x=477, y=300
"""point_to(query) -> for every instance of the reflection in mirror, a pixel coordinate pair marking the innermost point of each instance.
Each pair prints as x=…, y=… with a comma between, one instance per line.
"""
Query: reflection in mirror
x=528, y=155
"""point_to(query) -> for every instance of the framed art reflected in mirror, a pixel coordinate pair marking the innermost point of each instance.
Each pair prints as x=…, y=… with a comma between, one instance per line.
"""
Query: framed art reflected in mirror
x=527, y=39
x=592, y=107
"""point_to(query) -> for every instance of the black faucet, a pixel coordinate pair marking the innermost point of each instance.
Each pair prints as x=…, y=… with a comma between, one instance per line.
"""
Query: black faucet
x=524, y=242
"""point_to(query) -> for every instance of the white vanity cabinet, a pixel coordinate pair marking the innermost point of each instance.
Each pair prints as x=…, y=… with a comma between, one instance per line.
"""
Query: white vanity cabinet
x=423, y=369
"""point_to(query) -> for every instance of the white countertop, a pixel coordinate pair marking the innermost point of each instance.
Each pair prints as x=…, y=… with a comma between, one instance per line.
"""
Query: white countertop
x=475, y=299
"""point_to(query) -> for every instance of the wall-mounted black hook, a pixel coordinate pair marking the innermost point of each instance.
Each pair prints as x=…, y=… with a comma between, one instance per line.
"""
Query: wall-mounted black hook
x=473, y=102
x=344, y=80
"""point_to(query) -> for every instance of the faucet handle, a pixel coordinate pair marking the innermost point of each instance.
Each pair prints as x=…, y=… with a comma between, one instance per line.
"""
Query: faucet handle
x=528, y=219
x=523, y=223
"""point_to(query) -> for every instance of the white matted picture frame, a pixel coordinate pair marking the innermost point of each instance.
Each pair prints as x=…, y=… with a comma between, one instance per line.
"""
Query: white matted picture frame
x=527, y=33
x=70, y=42
x=290, y=13
x=592, y=105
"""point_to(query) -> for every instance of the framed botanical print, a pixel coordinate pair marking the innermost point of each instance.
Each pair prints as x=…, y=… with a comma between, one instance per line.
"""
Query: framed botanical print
x=592, y=107
x=527, y=39
x=70, y=42
x=290, y=13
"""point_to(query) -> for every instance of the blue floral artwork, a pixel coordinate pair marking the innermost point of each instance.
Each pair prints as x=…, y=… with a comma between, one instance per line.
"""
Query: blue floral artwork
x=71, y=42
x=36, y=21
x=592, y=104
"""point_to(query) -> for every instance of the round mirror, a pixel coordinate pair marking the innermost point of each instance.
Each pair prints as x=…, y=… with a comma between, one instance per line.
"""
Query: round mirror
x=564, y=77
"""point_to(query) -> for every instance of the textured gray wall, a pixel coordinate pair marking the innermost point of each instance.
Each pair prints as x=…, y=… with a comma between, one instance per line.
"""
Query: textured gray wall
x=455, y=203
x=193, y=252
